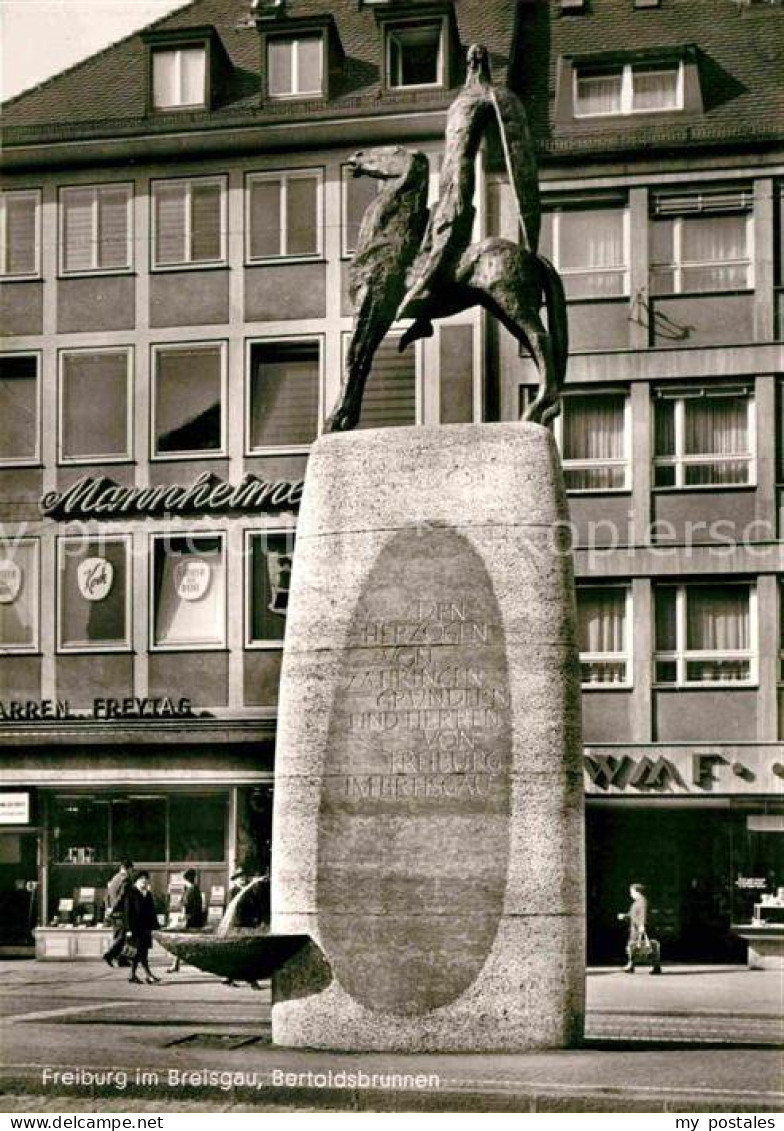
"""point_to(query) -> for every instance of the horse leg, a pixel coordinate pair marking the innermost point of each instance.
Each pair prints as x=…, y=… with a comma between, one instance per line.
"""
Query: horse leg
x=368, y=335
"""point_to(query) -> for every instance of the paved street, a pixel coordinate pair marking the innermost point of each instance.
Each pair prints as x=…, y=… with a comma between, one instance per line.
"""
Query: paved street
x=695, y=1039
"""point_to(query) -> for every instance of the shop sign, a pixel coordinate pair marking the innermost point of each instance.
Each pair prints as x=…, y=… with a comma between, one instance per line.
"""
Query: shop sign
x=101, y=497
x=94, y=578
x=36, y=710
x=14, y=808
x=10, y=581
x=192, y=579
x=673, y=770
x=751, y=883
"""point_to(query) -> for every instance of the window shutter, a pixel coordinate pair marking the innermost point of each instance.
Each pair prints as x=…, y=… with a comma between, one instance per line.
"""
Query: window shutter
x=170, y=224
x=18, y=408
x=265, y=219
x=737, y=199
x=188, y=409
x=94, y=404
x=205, y=222
x=113, y=227
x=302, y=216
x=20, y=214
x=78, y=232
x=284, y=397
x=390, y=393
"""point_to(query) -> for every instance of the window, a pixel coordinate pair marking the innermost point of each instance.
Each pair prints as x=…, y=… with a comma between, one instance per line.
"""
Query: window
x=603, y=614
x=415, y=54
x=390, y=398
x=639, y=88
x=95, y=405
x=295, y=65
x=589, y=247
x=20, y=236
x=705, y=633
x=284, y=386
x=358, y=194
x=179, y=77
x=19, y=596
x=189, y=592
x=269, y=557
x=93, y=595
x=189, y=222
x=188, y=398
x=594, y=431
x=95, y=228
x=701, y=242
x=19, y=409
x=197, y=827
x=284, y=214
x=704, y=437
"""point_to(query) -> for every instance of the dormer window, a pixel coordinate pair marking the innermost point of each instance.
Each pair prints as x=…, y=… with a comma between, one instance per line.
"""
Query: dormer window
x=627, y=89
x=179, y=78
x=295, y=65
x=415, y=54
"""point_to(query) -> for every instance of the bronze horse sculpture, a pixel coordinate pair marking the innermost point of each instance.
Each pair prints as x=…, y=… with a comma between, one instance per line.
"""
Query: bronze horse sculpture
x=412, y=263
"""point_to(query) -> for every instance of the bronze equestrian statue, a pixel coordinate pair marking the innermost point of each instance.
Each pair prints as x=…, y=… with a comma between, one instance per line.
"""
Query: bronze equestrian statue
x=413, y=264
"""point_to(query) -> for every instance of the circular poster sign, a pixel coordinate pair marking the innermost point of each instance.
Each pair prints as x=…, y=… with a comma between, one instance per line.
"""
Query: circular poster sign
x=192, y=579
x=10, y=581
x=94, y=577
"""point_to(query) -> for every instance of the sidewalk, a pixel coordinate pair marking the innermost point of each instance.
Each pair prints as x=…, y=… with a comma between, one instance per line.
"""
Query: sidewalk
x=695, y=1039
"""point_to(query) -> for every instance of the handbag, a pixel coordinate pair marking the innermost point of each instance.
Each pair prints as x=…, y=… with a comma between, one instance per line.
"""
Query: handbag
x=129, y=950
x=644, y=949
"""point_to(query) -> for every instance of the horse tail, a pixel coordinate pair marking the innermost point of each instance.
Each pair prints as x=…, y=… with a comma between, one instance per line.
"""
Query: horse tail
x=558, y=326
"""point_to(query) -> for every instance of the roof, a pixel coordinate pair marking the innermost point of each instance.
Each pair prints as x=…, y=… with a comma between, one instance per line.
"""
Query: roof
x=740, y=49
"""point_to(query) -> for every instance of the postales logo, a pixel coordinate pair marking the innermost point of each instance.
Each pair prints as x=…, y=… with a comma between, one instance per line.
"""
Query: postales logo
x=192, y=579
x=10, y=581
x=95, y=577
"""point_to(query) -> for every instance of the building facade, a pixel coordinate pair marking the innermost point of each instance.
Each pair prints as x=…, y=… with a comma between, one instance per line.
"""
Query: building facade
x=177, y=222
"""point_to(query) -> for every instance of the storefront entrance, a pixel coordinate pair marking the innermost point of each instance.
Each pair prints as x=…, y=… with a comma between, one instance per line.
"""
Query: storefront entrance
x=18, y=889
x=695, y=863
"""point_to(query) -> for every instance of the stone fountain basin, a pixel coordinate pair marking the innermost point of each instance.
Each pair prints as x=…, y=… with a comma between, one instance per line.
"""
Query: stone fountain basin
x=242, y=955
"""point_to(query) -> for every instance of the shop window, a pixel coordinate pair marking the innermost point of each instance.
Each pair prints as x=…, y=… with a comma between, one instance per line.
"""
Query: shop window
x=189, y=384
x=701, y=242
x=19, y=409
x=80, y=829
x=630, y=88
x=704, y=437
x=95, y=228
x=390, y=398
x=95, y=405
x=19, y=596
x=139, y=828
x=189, y=592
x=295, y=65
x=283, y=409
x=93, y=597
x=179, y=78
x=269, y=557
x=593, y=431
x=284, y=214
x=589, y=247
x=20, y=234
x=358, y=193
x=603, y=617
x=189, y=222
x=705, y=633
x=415, y=54
x=197, y=828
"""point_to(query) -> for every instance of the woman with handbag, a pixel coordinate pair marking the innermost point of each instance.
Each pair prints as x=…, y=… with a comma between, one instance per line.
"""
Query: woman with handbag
x=640, y=948
x=142, y=921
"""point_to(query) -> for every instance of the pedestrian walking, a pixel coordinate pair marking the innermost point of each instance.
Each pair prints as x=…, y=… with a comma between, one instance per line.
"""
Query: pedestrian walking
x=142, y=921
x=117, y=909
x=193, y=909
x=639, y=947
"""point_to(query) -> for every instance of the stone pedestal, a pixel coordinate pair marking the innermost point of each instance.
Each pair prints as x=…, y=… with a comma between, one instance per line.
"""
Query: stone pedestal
x=428, y=825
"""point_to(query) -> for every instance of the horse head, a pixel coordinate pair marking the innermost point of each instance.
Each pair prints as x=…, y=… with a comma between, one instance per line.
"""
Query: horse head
x=390, y=163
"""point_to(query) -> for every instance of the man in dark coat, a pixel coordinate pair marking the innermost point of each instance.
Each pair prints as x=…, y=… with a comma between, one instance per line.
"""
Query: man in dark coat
x=117, y=909
x=142, y=921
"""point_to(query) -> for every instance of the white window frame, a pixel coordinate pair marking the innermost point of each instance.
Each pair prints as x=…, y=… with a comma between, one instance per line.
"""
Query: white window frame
x=418, y=348
x=177, y=53
x=682, y=656
x=590, y=464
x=188, y=264
x=627, y=90
x=283, y=340
x=284, y=176
x=586, y=272
x=679, y=264
x=96, y=191
x=413, y=23
x=680, y=461
x=33, y=194
x=289, y=532
x=123, y=457
x=80, y=540
x=170, y=347
x=293, y=42
x=189, y=534
x=7, y=546
x=626, y=657
x=35, y=459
